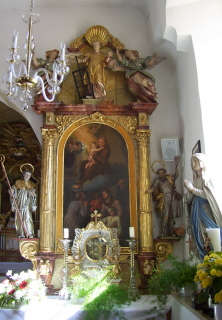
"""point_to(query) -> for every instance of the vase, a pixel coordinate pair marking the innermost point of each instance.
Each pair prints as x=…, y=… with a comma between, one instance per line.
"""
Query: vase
x=186, y=291
x=19, y=304
x=218, y=311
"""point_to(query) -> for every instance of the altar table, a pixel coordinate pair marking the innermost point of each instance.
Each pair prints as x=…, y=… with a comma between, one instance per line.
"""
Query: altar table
x=52, y=308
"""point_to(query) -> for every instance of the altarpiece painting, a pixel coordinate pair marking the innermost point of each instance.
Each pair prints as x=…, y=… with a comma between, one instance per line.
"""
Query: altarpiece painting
x=99, y=184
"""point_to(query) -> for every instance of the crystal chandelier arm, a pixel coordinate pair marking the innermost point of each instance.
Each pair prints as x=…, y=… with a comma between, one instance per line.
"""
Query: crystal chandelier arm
x=45, y=72
x=54, y=82
x=41, y=82
x=22, y=68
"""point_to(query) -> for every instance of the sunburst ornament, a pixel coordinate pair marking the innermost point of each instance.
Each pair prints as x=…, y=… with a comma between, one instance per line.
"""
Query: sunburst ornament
x=97, y=33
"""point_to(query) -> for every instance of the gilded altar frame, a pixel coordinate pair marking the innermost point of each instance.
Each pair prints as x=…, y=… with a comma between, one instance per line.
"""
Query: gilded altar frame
x=74, y=124
x=135, y=131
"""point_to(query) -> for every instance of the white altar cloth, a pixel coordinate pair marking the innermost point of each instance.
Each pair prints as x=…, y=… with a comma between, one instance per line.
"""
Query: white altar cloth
x=52, y=308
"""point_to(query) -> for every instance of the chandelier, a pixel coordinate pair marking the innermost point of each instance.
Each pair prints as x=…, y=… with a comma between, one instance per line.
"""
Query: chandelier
x=21, y=79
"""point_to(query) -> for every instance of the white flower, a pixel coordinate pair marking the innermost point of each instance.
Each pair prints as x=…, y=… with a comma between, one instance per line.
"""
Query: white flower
x=9, y=273
x=15, y=276
x=19, y=294
x=32, y=274
x=23, y=276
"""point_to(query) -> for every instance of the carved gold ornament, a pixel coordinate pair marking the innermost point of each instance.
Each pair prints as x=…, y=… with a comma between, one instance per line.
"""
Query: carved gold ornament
x=148, y=267
x=28, y=249
x=163, y=249
x=65, y=121
x=130, y=123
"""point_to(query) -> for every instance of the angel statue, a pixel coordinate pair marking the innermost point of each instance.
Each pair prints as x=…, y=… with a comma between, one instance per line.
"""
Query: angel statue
x=140, y=82
x=95, y=62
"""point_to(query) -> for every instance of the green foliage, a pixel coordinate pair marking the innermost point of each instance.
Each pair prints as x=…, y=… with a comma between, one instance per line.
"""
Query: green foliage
x=108, y=303
x=172, y=279
x=101, y=298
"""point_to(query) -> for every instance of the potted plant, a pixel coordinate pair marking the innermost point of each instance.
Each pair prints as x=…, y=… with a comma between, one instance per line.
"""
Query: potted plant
x=166, y=280
x=209, y=275
x=21, y=288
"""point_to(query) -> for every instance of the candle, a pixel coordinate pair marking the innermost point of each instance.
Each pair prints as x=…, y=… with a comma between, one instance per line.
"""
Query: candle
x=54, y=75
x=66, y=233
x=10, y=76
x=38, y=233
x=131, y=232
x=62, y=52
x=214, y=235
x=15, y=39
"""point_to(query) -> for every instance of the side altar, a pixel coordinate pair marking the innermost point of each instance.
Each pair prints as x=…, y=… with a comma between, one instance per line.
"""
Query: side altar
x=96, y=151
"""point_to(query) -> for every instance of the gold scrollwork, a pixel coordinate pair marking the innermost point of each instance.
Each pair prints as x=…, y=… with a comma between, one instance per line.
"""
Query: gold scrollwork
x=97, y=117
x=77, y=42
x=163, y=249
x=116, y=42
x=28, y=250
x=64, y=122
x=130, y=123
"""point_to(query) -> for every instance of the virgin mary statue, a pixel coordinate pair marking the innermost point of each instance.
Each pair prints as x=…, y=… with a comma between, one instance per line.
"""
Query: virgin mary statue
x=204, y=210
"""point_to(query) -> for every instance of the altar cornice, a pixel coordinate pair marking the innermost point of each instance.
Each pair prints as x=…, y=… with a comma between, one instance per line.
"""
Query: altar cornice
x=59, y=108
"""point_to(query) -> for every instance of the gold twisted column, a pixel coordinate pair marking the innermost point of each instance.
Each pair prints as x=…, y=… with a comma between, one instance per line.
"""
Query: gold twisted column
x=47, y=215
x=147, y=255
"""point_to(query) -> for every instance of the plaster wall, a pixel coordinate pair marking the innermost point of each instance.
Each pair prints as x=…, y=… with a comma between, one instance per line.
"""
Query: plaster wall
x=205, y=28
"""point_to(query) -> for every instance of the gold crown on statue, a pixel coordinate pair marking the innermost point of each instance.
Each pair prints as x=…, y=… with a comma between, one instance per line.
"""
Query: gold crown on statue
x=97, y=33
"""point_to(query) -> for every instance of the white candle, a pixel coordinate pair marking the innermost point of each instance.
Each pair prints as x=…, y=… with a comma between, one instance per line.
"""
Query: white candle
x=15, y=39
x=10, y=76
x=131, y=232
x=54, y=75
x=66, y=233
x=38, y=233
x=214, y=235
x=62, y=52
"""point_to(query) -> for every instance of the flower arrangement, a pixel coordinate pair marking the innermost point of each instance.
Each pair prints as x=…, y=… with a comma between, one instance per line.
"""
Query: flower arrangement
x=209, y=274
x=23, y=287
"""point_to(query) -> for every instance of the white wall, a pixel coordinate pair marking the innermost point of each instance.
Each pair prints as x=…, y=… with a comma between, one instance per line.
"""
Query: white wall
x=202, y=20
